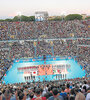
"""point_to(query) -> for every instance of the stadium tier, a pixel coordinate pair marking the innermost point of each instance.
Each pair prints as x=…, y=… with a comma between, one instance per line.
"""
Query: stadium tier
x=33, y=39
x=47, y=60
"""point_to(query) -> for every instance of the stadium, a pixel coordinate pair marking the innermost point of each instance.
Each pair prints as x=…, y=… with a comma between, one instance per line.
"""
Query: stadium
x=44, y=51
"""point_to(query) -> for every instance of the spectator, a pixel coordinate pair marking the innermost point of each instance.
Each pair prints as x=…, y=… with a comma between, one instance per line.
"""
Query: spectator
x=64, y=94
x=79, y=95
x=55, y=96
x=38, y=95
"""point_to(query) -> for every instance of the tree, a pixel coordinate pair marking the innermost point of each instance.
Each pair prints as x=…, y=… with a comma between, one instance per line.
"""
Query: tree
x=8, y=20
x=56, y=18
x=24, y=18
x=1, y=20
x=16, y=18
x=31, y=18
x=87, y=17
x=73, y=17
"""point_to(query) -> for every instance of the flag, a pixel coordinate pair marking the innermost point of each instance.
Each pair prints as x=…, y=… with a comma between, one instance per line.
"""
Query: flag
x=12, y=36
x=34, y=73
x=69, y=57
x=17, y=22
x=54, y=71
x=17, y=60
x=33, y=60
x=54, y=58
x=49, y=70
x=51, y=43
x=34, y=44
x=58, y=71
x=41, y=70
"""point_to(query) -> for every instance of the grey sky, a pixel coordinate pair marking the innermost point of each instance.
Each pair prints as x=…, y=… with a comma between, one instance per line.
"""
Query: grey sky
x=54, y=7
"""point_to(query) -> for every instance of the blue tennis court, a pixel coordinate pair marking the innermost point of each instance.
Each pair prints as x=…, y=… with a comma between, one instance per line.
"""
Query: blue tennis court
x=37, y=69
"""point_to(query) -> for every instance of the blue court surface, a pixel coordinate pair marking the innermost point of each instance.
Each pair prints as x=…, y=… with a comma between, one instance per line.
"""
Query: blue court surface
x=37, y=69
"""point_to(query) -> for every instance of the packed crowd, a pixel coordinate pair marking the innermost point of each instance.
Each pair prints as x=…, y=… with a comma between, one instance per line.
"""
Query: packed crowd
x=84, y=58
x=24, y=31
x=73, y=89
x=84, y=41
x=49, y=29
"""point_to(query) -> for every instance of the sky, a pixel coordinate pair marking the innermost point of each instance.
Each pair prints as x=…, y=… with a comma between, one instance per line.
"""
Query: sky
x=10, y=8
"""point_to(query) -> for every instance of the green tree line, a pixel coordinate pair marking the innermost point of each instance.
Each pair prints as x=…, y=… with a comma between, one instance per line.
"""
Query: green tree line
x=20, y=18
x=57, y=18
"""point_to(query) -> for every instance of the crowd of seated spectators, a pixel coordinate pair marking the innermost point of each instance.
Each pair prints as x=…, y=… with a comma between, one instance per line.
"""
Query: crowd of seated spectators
x=51, y=29
x=72, y=89
x=84, y=57
x=84, y=41
x=80, y=47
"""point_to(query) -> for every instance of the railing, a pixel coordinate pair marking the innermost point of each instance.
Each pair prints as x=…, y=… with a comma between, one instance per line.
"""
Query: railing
x=43, y=39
